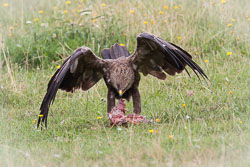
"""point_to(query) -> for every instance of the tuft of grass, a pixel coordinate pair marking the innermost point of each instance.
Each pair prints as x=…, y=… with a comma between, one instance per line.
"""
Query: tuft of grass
x=211, y=129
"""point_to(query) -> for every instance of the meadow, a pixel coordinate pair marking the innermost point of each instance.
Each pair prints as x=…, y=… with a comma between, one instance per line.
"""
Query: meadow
x=193, y=123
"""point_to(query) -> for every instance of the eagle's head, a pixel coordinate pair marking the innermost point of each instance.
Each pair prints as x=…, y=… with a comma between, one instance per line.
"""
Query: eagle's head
x=121, y=75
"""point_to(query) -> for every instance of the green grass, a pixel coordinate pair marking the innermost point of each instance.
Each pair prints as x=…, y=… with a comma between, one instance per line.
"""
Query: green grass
x=217, y=132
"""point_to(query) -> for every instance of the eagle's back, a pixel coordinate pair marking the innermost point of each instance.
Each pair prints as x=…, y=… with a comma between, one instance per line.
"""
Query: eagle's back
x=115, y=52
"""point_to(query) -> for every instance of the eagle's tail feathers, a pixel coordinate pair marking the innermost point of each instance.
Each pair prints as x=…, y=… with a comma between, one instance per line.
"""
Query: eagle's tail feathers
x=116, y=51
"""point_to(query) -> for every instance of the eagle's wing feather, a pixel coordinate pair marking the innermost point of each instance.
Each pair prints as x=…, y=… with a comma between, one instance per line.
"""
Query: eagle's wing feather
x=82, y=70
x=155, y=56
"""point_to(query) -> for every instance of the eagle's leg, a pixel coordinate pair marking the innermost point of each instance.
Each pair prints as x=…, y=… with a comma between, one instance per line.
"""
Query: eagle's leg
x=136, y=100
x=111, y=100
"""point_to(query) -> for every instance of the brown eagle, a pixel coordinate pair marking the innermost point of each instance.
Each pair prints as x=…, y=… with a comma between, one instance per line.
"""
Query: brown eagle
x=119, y=69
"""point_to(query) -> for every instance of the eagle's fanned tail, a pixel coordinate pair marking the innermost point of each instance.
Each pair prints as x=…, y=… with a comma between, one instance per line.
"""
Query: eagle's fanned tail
x=114, y=52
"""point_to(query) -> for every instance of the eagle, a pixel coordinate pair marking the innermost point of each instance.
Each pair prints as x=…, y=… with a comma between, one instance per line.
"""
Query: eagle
x=119, y=69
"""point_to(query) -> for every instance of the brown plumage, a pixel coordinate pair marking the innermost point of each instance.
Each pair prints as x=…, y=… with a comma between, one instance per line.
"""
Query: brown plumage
x=119, y=69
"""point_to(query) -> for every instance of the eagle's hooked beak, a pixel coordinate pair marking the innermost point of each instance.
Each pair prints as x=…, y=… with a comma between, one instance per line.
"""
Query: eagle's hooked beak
x=120, y=93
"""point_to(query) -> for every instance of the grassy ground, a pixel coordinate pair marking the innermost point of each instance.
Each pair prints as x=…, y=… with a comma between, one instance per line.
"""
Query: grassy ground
x=211, y=130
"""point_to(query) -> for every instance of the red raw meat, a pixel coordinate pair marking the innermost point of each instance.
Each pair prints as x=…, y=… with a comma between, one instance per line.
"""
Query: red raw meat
x=117, y=116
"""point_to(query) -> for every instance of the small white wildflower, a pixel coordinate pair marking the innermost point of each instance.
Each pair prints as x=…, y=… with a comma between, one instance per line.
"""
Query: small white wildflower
x=57, y=155
x=99, y=152
x=45, y=25
x=196, y=140
x=53, y=35
x=188, y=117
x=197, y=146
x=27, y=154
x=28, y=22
x=85, y=13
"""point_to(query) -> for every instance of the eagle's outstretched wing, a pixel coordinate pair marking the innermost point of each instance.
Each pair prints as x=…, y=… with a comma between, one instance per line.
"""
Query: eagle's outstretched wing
x=155, y=56
x=82, y=70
